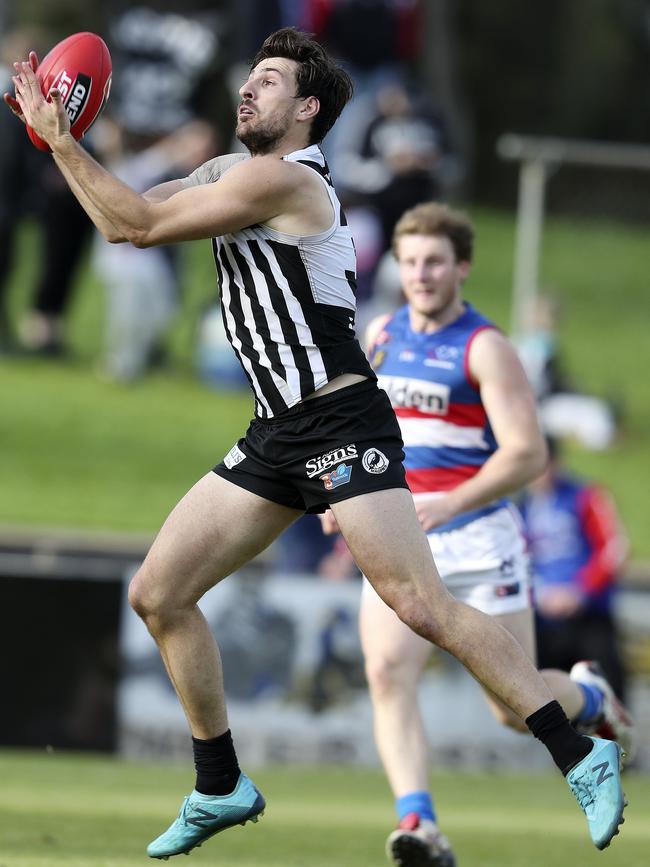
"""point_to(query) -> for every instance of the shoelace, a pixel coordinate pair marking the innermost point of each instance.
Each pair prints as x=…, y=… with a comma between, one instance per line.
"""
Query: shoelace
x=584, y=792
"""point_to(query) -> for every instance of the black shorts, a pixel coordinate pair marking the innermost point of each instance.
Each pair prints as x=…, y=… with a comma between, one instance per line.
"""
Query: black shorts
x=321, y=451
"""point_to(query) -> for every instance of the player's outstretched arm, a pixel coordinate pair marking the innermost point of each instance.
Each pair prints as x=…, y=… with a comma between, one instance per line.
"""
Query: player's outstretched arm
x=105, y=227
x=251, y=192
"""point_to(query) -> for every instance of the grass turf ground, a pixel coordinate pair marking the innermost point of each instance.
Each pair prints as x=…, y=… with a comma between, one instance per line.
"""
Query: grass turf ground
x=79, y=452
x=62, y=810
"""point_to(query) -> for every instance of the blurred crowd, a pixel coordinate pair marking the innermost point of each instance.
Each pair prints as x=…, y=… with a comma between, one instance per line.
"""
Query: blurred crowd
x=176, y=75
x=172, y=106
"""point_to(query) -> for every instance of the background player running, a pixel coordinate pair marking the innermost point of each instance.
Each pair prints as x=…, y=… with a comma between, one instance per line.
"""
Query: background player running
x=469, y=425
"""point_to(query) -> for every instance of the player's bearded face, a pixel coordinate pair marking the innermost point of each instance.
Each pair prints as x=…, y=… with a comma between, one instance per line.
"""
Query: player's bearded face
x=261, y=134
x=268, y=103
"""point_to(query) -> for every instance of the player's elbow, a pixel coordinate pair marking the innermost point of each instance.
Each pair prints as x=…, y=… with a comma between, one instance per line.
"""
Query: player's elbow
x=114, y=237
x=141, y=238
x=534, y=457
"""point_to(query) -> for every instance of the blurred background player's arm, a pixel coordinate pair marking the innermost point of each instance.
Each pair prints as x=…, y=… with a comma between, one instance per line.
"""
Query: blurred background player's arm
x=607, y=539
x=510, y=407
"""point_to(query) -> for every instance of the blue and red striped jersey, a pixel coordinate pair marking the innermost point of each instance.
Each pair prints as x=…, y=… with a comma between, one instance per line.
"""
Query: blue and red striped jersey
x=446, y=431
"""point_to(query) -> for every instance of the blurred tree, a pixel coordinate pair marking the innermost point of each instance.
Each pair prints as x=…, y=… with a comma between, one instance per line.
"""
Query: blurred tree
x=576, y=69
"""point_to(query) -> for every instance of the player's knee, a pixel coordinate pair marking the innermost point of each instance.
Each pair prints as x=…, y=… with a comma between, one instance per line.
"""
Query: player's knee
x=386, y=674
x=434, y=625
x=145, y=598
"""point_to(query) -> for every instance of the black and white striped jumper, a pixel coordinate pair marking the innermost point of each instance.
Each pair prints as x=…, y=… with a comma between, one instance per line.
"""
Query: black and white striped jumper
x=288, y=304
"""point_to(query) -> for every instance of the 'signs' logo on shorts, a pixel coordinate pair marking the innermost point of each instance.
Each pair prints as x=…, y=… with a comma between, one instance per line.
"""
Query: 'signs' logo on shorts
x=374, y=461
x=339, y=476
x=330, y=459
x=235, y=456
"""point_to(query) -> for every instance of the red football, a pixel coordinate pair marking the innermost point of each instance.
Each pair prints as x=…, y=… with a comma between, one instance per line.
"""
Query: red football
x=80, y=68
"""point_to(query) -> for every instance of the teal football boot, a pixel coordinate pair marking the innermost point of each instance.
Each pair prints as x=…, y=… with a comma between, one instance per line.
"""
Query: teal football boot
x=203, y=816
x=596, y=783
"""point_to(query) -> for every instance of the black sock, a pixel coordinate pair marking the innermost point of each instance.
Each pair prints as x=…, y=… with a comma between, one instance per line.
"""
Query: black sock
x=550, y=725
x=217, y=769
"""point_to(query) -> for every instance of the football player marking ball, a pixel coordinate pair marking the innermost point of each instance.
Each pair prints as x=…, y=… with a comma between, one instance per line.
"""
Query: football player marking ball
x=80, y=68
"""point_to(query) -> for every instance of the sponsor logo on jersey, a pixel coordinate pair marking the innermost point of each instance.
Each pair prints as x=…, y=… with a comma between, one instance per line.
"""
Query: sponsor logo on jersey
x=448, y=353
x=314, y=466
x=374, y=461
x=406, y=393
x=74, y=94
x=339, y=476
x=235, y=456
x=442, y=356
x=407, y=355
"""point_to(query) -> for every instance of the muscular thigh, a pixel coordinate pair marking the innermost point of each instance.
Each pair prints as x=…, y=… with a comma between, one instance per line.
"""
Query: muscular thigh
x=216, y=528
x=386, y=540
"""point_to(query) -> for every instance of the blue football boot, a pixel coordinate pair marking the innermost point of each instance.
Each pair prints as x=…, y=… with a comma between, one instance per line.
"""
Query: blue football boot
x=596, y=784
x=202, y=816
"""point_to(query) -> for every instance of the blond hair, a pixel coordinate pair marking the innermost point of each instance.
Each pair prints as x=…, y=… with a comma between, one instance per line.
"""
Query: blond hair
x=434, y=218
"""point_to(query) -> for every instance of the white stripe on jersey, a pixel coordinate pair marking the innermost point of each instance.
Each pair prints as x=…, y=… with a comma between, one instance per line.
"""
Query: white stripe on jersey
x=297, y=314
x=273, y=322
x=289, y=303
x=236, y=342
x=436, y=433
x=258, y=343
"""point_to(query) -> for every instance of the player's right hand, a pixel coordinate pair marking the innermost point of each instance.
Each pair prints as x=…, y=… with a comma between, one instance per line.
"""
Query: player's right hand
x=11, y=101
x=45, y=115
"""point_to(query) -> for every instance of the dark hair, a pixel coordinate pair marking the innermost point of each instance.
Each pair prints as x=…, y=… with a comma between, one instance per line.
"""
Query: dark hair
x=433, y=218
x=317, y=75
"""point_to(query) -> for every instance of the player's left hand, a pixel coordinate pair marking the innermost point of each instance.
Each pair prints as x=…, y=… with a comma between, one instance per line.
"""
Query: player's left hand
x=559, y=602
x=11, y=101
x=47, y=118
x=433, y=510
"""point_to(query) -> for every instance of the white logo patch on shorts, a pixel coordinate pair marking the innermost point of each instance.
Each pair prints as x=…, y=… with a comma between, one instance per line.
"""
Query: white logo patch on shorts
x=374, y=461
x=314, y=466
x=235, y=456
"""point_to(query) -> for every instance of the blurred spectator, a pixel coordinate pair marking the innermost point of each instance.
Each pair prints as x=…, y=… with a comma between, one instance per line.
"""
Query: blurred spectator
x=378, y=41
x=216, y=363
x=401, y=157
x=577, y=549
x=66, y=232
x=168, y=68
x=14, y=153
x=564, y=410
x=143, y=285
x=368, y=34
x=31, y=185
x=169, y=71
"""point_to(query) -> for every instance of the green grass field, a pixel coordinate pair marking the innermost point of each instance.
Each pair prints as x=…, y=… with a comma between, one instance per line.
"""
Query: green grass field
x=80, y=452
x=59, y=810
